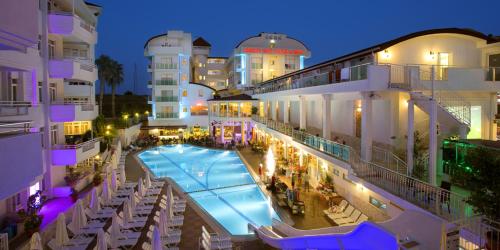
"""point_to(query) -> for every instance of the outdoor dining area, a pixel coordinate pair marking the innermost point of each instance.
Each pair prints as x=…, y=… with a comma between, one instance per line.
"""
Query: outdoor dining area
x=121, y=216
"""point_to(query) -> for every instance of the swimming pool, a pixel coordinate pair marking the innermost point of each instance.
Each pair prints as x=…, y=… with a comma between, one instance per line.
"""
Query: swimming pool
x=217, y=180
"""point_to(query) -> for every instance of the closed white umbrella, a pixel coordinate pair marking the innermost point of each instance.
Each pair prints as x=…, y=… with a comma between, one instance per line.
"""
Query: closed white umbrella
x=127, y=213
x=101, y=240
x=115, y=232
x=148, y=180
x=95, y=205
x=78, y=220
x=114, y=185
x=133, y=201
x=123, y=178
x=106, y=193
x=169, y=210
x=61, y=231
x=36, y=242
x=156, y=244
x=140, y=188
x=170, y=194
x=163, y=224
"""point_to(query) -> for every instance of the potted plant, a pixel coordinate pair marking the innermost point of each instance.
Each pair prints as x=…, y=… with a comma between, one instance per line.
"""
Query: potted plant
x=74, y=194
x=97, y=179
x=32, y=223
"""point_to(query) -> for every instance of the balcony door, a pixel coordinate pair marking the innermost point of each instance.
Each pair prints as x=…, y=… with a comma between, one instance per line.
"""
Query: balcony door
x=443, y=64
x=494, y=67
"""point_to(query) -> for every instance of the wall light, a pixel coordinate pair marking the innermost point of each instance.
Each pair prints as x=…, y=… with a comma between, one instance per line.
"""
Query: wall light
x=272, y=41
x=358, y=109
x=386, y=54
x=431, y=56
x=136, y=114
x=360, y=186
x=108, y=127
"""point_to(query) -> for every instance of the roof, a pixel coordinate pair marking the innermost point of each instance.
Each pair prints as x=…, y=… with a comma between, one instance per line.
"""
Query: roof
x=93, y=4
x=153, y=37
x=200, y=42
x=203, y=85
x=385, y=45
x=240, y=97
x=260, y=34
x=217, y=57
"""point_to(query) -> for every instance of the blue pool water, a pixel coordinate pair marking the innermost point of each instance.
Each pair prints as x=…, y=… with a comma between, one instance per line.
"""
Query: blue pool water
x=217, y=180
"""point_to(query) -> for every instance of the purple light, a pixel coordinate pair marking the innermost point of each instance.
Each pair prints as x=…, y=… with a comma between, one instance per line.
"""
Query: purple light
x=52, y=208
x=60, y=24
x=62, y=157
x=63, y=113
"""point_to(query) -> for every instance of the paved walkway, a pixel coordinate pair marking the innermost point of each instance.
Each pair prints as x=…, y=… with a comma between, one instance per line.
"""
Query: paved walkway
x=315, y=204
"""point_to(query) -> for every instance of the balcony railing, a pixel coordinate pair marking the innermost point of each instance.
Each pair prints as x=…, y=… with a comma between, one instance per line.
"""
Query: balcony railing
x=165, y=65
x=14, y=108
x=167, y=99
x=166, y=82
x=14, y=127
x=354, y=73
x=85, y=146
x=167, y=115
x=199, y=113
x=441, y=202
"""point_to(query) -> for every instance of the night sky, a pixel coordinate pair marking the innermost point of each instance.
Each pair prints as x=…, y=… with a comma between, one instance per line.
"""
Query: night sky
x=329, y=28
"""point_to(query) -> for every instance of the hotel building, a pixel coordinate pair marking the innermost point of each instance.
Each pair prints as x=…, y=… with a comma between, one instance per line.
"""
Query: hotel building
x=177, y=102
x=208, y=70
x=47, y=97
x=264, y=57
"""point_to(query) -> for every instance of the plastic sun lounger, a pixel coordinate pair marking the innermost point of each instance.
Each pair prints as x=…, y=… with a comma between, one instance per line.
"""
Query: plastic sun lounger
x=361, y=218
x=171, y=230
x=352, y=218
x=348, y=211
x=73, y=244
x=147, y=246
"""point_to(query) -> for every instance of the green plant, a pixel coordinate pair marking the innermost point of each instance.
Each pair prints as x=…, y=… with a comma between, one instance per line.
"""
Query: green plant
x=254, y=110
x=420, y=157
x=97, y=178
x=32, y=223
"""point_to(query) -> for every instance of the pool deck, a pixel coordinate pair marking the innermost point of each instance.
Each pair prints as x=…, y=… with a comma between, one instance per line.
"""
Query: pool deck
x=314, y=217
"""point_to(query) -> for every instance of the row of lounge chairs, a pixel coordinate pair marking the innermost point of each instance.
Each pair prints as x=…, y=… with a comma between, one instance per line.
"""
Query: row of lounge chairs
x=209, y=241
x=345, y=214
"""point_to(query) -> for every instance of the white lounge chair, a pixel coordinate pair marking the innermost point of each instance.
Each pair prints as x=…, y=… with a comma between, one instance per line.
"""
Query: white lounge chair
x=361, y=218
x=344, y=214
x=351, y=219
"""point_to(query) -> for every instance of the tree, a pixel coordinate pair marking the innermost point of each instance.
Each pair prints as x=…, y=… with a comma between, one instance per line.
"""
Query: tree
x=104, y=66
x=116, y=78
x=420, y=157
x=482, y=181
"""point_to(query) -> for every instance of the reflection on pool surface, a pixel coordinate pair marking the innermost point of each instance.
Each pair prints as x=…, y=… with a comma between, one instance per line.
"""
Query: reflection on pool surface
x=217, y=180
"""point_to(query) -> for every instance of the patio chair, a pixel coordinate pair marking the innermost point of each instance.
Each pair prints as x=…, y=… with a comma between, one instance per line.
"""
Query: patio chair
x=348, y=211
x=147, y=246
x=351, y=219
x=361, y=218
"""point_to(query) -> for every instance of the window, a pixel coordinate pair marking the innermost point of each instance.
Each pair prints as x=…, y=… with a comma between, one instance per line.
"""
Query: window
x=290, y=62
x=377, y=203
x=199, y=109
x=76, y=128
x=200, y=77
x=40, y=94
x=34, y=188
x=13, y=90
x=200, y=93
x=184, y=109
x=52, y=49
x=184, y=93
x=216, y=60
x=167, y=92
x=53, y=134
x=256, y=62
x=214, y=72
x=256, y=77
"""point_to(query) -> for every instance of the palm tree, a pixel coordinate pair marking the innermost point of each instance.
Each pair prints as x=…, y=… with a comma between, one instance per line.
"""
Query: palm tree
x=116, y=78
x=104, y=66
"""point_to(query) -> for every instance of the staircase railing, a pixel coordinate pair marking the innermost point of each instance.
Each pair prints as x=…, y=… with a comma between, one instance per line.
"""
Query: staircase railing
x=422, y=78
x=444, y=203
x=389, y=160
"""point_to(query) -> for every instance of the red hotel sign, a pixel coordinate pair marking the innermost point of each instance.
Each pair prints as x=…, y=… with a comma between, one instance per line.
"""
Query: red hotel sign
x=274, y=51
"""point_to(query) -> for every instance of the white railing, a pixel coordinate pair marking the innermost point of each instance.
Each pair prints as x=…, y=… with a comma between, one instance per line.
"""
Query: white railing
x=15, y=127
x=11, y=108
x=85, y=146
x=475, y=232
x=82, y=23
x=389, y=160
x=84, y=104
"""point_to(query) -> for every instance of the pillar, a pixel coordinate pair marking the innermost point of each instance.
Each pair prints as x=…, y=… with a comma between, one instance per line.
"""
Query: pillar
x=410, y=134
x=222, y=132
x=493, y=112
x=327, y=115
x=286, y=111
x=243, y=132
x=366, y=127
x=302, y=112
x=274, y=110
x=432, y=141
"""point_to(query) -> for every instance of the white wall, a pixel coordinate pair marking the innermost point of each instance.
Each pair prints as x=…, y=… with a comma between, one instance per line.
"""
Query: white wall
x=129, y=135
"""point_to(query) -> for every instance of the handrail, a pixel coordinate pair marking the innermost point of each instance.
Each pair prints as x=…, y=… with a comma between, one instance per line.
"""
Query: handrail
x=436, y=200
x=15, y=103
x=14, y=126
x=79, y=145
x=389, y=159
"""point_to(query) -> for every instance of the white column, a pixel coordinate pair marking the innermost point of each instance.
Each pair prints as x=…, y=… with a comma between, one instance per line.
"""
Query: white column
x=274, y=111
x=494, y=110
x=366, y=127
x=286, y=111
x=432, y=141
x=327, y=115
x=302, y=112
x=222, y=132
x=410, y=134
x=243, y=132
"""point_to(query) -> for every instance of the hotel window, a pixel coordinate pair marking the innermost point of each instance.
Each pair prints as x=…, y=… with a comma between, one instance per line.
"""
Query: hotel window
x=184, y=61
x=184, y=109
x=40, y=95
x=377, y=203
x=200, y=77
x=216, y=60
x=256, y=77
x=214, y=72
x=53, y=134
x=13, y=89
x=200, y=93
x=52, y=49
x=167, y=92
x=256, y=62
x=184, y=93
x=233, y=109
x=184, y=77
x=290, y=62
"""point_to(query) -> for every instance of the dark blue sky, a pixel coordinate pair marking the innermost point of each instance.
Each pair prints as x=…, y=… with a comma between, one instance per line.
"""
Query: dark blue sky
x=329, y=28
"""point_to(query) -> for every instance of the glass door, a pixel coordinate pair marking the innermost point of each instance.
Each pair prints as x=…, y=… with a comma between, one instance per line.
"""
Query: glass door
x=443, y=64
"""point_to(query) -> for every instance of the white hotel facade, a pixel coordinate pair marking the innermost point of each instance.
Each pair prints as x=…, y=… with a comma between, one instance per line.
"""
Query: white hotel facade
x=47, y=96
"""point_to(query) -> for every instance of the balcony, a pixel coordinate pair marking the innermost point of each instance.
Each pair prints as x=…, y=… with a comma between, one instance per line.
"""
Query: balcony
x=165, y=65
x=167, y=115
x=73, y=111
x=166, y=82
x=18, y=170
x=167, y=99
x=21, y=110
x=73, y=69
x=63, y=155
x=72, y=27
x=150, y=84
